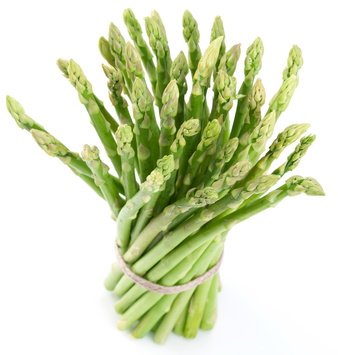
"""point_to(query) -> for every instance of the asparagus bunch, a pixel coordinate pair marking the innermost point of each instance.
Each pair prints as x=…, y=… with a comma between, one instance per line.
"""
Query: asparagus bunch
x=186, y=171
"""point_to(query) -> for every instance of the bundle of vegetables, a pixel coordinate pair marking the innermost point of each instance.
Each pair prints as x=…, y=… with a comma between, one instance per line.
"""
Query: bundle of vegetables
x=187, y=172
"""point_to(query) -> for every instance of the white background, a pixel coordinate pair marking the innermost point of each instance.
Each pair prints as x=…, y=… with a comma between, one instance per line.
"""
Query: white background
x=280, y=268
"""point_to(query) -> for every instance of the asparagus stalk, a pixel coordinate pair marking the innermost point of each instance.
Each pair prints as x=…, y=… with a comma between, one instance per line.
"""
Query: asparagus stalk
x=55, y=148
x=196, y=309
x=183, y=147
x=192, y=37
x=124, y=138
x=84, y=88
x=215, y=167
x=294, y=158
x=252, y=65
x=210, y=311
x=284, y=139
x=180, y=323
x=63, y=65
x=145, y=130
x=21, y=119
x=294, y=63
x=154, y=315
x=133, y=62
x=115, y=86
x=178, y=72
x=168, y=114
x=256, y=100
x=217, y=30
x=181, y=150
x=229, y=60
x=104, y=49
x=159, y=44
x=252, y=144
x=224, y=96
x=282, y=98
x=117, y=47
x=201, y=81
x=206, y=147
x=129, y=212
x=166, y=165
x=102, y=178
x=135, y=32
x=113, y=278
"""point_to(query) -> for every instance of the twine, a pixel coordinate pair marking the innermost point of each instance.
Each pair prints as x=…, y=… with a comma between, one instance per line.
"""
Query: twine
x=165, y=290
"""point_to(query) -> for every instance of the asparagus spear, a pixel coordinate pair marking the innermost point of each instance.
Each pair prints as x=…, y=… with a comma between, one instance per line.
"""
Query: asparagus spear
x=181, y=150
x=63, y=65
x=178, y=72
x=294, y=62
x=115, y=86
x=20, y=117
x=113, y=278
x=229, y=60
x=84, y=88
x=294, y=158
x=252, y=65
x=217, y=30
x=154, y=315
x=135, y=32
x=256, y=100
x=117, y=47
x=55, y=148
x=192, y=37
x=207, y=146
x=224, y=95
x=129, y=212
x=104, y=49
x=215, y=167
x=168, y=113
x=124, y=137
x=196, y=309
x=252, y=144
x=145, y=130
x=159, y=44
x=284, y=139
x=166, y=164
x=102, y=178
x=282, y=98
x=156, y=17
x=210, y=311
x=201, y=81
x=133, y=62
x=180, y=323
